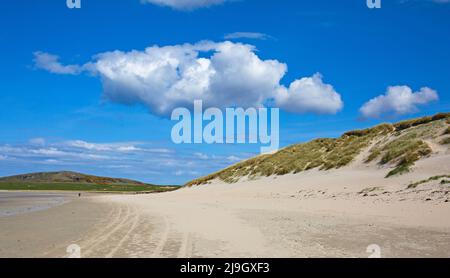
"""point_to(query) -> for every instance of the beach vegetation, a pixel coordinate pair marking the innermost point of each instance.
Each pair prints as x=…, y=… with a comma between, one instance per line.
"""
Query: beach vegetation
x=400, y=145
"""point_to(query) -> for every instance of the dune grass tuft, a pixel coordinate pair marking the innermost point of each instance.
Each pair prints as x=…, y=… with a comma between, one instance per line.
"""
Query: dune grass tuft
x=420, y=121
x=434, y=178
x=404, y=151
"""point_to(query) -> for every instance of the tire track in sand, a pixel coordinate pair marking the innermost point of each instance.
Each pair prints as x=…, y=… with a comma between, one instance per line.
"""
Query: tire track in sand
x=119, y=222
x=115, y=210
x=157, y=253
x=186, y=246
x=135, y=222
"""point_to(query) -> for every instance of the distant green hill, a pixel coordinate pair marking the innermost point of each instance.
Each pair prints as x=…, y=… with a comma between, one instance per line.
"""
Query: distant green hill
x=398, y=145
x=73, y=181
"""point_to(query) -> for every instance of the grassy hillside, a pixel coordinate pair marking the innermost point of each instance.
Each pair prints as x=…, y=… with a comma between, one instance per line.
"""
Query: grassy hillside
x=66, y=176
x=398, y=145
x=71, y=181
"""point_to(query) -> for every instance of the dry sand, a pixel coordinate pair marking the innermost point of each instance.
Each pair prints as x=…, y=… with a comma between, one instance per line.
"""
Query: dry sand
x=336, y=213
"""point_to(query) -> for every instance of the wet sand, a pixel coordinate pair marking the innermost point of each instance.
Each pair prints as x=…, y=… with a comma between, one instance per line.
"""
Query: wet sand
x=53, y=222
x=16, y=202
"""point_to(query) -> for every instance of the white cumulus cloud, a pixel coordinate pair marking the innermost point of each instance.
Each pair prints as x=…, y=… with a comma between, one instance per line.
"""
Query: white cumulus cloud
x=310, y=95
x=185, y=4
x=223, y=74
x=398, y=100
x=164, y=78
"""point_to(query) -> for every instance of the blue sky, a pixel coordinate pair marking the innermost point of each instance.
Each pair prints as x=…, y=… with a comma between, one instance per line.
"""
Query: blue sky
x=67, y=104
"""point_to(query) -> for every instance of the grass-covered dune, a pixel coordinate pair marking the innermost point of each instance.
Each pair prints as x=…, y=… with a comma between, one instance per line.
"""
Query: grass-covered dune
x=397, y=145
x=71, y=181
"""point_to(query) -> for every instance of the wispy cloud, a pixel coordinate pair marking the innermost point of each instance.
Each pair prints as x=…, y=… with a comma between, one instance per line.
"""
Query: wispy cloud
x=52, y=64
x=247, y=35
x=185, y=5
x=117, y=147
x=37, y=141
x=48, y=152
x=201, y=156
x=186, y=173
x=233, y=158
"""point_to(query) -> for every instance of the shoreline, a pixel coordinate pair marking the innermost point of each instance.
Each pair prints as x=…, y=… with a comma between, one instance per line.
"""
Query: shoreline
x=48, y=233
x=14, y=203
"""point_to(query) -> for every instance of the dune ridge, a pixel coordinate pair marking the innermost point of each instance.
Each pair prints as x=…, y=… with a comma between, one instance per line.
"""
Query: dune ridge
x=394, y=146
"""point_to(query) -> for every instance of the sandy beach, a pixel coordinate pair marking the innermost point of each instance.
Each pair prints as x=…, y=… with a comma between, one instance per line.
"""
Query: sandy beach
x=47, y=223
x=258, y=219
x=338, y=213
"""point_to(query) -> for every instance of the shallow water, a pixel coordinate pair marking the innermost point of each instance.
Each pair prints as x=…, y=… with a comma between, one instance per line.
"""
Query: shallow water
x=13, y=203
